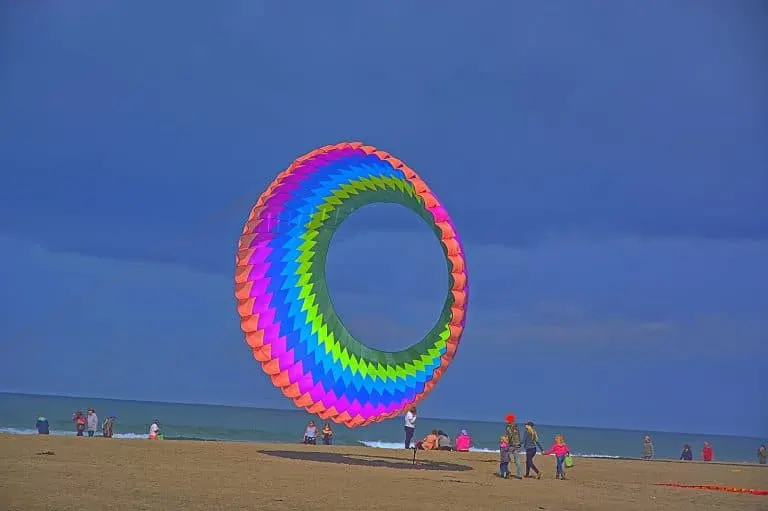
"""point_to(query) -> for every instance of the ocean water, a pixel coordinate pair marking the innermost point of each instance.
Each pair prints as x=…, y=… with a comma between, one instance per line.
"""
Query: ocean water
x=230, y=423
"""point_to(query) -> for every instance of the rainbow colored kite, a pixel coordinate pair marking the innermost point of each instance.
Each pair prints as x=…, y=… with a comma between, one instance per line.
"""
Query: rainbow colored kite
x=283, y=301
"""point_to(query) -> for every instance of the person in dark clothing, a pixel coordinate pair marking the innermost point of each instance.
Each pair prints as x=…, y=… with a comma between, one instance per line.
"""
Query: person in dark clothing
x=41, y=424
x=530, y=443
x=512, y=433
x=687, y=454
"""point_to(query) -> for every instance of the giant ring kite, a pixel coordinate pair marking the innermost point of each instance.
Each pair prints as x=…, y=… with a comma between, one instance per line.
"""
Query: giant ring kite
x=282, y=296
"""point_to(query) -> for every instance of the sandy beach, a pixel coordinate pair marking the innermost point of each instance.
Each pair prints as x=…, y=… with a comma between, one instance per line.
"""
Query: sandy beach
x=63, y=473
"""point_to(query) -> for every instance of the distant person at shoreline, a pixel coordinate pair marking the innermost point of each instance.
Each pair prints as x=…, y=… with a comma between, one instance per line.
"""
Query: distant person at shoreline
x=42, y=426
x=706, y=452
x=310, y=434
x=687, y=454
x=648, y=451
x=93, y=422
x=443, y=441
x=327, y=434
x=463, y=441
x=429, y=443
x=503, y=457
x=154, y=430
x=762, y=455
x=107, y=429
x=530, y=443
x=80, y=422
x=560, y=450
x=512, y=432
x=410, y=426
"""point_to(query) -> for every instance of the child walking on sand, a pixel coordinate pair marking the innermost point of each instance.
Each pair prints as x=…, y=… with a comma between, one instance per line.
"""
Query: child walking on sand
x=560, y=450
x=504, y=457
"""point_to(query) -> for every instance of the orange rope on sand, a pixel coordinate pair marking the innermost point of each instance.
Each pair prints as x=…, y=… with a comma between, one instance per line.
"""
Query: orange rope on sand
x=731, y=489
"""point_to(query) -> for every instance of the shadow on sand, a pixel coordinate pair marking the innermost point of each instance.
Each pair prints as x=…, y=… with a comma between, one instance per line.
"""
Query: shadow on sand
x=369, y=461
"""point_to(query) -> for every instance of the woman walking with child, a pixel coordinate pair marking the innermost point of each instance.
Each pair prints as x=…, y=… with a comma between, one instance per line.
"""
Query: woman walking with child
x=530, y=443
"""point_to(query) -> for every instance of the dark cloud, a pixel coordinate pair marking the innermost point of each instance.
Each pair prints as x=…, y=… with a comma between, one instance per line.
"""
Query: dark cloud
x=606, y=168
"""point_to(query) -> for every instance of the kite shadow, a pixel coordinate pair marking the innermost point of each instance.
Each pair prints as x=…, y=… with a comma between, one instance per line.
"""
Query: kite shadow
x=371, y=461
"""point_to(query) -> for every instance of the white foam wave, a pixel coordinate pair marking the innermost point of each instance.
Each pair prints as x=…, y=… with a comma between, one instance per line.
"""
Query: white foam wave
x=29, y=431
x=397, y=445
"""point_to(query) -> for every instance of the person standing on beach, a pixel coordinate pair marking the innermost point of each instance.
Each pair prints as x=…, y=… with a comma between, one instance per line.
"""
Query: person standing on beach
x=154, y=430
x=80, y=422
x=327, y=434
x=530, y=443
x=706, y=452
x=93, y=422
x=503, y=457
x=410, y=426
x=107, y=428
x=512, y=432
x=647, y=448
x=41, y=425
x=687, y=454
x=762, y=455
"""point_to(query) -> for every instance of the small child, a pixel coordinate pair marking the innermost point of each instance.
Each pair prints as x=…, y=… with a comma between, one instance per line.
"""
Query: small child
x=560, y=450
x=504, y=457
x=327, y=434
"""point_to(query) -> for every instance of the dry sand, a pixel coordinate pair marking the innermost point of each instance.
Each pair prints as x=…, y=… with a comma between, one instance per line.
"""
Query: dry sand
x=87, y=474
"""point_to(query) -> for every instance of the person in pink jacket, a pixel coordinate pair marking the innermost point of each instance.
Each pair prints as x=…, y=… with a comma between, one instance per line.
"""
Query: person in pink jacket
x=560, y=450
x=463, y=441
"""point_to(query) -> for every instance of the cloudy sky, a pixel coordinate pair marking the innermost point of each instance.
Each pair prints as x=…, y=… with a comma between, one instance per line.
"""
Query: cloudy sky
x=605, y=164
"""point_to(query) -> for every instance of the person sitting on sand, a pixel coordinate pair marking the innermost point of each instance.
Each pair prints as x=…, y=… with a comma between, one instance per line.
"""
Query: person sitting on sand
x=429, y=443
x=80, y=422
x=107, y=429
x=647, y=448
x=41, y=425
x=530, y=443
x=706, y=452
x=154, y=430
x=762, y=455
x=327, y=434
x=560, y=450
x=443, y=441
x=310, y=434
x=687, y=454
x=503, y=457
x=463, y=441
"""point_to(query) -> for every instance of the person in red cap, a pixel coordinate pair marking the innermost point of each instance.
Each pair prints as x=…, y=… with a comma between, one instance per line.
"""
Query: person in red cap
x=512, y=432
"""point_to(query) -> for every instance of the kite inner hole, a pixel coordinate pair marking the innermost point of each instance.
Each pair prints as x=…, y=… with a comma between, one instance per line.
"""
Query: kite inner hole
x=387, y=276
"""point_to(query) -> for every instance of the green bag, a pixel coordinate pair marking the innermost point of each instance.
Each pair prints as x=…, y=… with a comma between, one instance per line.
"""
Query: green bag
x=568, y=461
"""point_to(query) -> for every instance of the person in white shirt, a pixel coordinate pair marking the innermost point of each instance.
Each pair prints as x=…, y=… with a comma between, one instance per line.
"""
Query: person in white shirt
x=410, y=426
x=154, y=430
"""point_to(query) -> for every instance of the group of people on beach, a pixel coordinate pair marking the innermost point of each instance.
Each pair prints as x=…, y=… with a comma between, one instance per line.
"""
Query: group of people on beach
x=310, y=434
x=707, y=453
x=88, y=424
x=511, y=446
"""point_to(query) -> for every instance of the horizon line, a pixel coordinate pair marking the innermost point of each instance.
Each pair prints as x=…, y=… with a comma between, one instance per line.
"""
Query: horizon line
x=301, y=410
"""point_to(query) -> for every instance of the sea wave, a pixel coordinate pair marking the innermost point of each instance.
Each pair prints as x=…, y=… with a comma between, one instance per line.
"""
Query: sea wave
x=27, y=431
x=397, y=445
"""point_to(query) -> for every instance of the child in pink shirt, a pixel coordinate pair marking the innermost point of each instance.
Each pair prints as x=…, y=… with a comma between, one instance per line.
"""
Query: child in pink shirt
x=560, y=450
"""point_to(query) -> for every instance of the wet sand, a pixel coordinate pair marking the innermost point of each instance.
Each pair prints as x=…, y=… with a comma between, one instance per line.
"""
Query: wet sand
x=65, y=473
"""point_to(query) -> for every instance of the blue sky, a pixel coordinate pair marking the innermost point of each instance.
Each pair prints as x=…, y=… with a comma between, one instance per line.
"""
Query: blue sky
x=605, y=164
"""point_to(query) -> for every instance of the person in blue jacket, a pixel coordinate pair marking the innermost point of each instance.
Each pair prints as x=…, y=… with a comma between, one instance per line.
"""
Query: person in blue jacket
x=687, y=454
x=42, y=425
